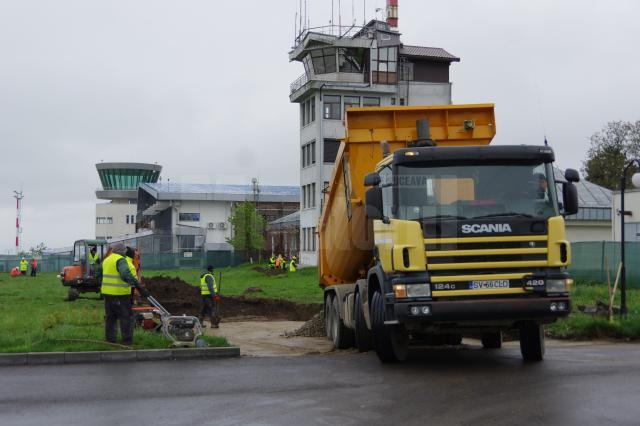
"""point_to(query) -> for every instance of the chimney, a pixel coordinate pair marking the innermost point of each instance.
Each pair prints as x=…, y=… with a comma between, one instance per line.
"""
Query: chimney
x=392, y=14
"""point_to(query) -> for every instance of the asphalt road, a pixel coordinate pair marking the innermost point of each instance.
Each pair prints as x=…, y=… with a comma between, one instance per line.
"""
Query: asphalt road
x=574, y=385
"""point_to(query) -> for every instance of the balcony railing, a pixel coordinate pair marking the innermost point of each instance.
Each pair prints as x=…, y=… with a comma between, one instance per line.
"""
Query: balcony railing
x=298, y=83
x=339, y=31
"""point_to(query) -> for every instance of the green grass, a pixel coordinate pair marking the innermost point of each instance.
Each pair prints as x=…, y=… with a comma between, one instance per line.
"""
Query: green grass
x=35, y=318
x=300, y=286
x=582, y=326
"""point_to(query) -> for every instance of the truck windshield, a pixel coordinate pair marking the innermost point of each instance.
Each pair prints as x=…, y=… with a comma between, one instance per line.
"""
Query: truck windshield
x=475, y=191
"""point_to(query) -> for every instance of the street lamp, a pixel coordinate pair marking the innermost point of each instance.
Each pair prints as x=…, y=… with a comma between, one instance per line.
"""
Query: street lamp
x=635, y=179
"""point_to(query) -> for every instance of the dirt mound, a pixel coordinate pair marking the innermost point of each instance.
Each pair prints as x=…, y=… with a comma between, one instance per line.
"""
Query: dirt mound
x=178, y=297
x=312, y=328
x=250, y=290
x=234, y=306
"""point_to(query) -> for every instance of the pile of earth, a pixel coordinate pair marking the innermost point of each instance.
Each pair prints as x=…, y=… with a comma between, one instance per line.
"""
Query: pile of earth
x=312, y=328
x=178, y=297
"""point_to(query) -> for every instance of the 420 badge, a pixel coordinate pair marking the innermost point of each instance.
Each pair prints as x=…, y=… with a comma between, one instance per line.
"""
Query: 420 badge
x=488, y=284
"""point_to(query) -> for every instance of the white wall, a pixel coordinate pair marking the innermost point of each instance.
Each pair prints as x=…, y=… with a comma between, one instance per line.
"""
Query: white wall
x=578, y=231
x=631, y=204
x=215, y=212
x=118, y=211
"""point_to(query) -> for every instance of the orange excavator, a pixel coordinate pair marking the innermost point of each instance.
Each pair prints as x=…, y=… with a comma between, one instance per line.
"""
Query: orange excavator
x=83, y=276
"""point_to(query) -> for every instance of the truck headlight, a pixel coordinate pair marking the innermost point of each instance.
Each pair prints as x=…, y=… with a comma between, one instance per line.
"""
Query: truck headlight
x=558, y=285
x=418, y=290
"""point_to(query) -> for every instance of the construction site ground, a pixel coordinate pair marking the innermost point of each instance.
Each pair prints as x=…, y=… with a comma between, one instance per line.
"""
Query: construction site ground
x=260, y=337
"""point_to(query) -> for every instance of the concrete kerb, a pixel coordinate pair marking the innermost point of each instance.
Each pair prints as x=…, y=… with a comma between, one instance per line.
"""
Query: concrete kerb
x=44, y=358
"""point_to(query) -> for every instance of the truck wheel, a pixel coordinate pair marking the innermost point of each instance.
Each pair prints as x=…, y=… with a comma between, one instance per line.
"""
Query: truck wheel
x=532, y=341
x=328, y=314
x=391, y=343
x=492, y=340
x=363, y=335
x=342, y=336
x=73, y=294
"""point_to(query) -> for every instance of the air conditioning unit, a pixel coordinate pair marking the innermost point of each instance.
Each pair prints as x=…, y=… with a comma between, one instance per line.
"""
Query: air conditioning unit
x=211, y=225
x=222, y=225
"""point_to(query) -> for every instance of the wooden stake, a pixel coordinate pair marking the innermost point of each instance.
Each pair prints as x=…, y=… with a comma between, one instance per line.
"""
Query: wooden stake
x=606, y=260
x=613, y=295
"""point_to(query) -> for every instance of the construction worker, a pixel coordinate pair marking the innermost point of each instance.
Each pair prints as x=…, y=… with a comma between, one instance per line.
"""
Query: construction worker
x=24, y=265
x=94, y=257
x=117, y=282
x=292, y=264
x=272, y=261
x=34, y=266
x=210, y=297
x=279, y=261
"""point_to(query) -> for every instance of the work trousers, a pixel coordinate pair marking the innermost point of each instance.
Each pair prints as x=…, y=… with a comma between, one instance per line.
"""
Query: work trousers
x=23, y=272
x=118, y=308
x=209, y=310
x=33, y=271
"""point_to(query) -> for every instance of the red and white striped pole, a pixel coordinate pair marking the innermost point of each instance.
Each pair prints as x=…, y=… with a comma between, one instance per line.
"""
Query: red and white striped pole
x=392, y=13
x=18, y=196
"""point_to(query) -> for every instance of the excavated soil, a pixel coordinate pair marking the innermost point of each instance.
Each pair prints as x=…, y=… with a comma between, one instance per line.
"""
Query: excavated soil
x=270, y=272
x=178, y=297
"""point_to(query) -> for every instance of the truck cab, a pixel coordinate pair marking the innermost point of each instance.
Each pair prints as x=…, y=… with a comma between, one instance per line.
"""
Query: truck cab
x=471, y=240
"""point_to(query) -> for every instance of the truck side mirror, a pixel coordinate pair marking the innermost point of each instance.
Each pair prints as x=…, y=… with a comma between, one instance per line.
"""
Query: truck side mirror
x=571, y=175
x=570, y=198
x=372, y=179
x=373, y=203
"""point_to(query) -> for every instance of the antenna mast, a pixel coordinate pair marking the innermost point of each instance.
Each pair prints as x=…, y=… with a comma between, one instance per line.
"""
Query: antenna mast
x=18, y=195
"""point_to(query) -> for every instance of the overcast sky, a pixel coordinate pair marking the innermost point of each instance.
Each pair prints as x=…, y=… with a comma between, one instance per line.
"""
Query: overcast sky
x=202, y=87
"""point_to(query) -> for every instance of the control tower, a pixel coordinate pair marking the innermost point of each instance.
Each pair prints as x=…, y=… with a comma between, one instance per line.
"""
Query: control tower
x=120, y=182
x=351, y=66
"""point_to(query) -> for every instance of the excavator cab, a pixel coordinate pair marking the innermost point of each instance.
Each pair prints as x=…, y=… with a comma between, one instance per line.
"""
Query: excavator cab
x=83, y=276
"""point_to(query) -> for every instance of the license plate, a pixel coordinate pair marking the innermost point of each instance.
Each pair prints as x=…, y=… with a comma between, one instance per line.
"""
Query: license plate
x=488, y=284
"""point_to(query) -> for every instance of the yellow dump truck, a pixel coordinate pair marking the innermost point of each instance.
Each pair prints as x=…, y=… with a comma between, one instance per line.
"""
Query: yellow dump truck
x=429, y=233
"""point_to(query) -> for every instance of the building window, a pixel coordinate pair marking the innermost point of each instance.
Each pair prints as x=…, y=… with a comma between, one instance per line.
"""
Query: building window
x=330, y=153
x=312, y=193
x=402, y=101
x=189, y=217
x=351, y=102
x=312, y=102
x=127, y=218
x=351, y=60
x=369, y=101
x=332, y=107
x=384, y=63
x=393, y=101
x=313, y=239
x=104, y=220
x=308, y=111
x=308, y=155
x=324, y=60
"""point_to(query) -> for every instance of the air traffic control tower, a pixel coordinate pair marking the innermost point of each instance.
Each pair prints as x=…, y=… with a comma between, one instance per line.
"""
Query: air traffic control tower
x=120, y=182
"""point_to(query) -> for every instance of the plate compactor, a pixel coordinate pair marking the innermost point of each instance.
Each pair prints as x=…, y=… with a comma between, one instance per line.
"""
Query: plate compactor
x=182, y=331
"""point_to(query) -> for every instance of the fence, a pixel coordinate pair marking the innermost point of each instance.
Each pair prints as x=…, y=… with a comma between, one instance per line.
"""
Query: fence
x=49, y=263
x=590, y=261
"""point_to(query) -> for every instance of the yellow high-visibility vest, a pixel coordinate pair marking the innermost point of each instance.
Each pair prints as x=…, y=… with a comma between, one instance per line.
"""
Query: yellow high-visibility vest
x=24, y=265
x=204, y=288
x=93, y=258
x=112, y=283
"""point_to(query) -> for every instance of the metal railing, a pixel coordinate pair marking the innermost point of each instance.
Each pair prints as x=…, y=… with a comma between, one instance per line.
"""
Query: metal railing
x=298, y=83
x=339, y=31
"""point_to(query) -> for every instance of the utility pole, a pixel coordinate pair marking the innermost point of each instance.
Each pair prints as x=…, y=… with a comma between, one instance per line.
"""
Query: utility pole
x=18, y=195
